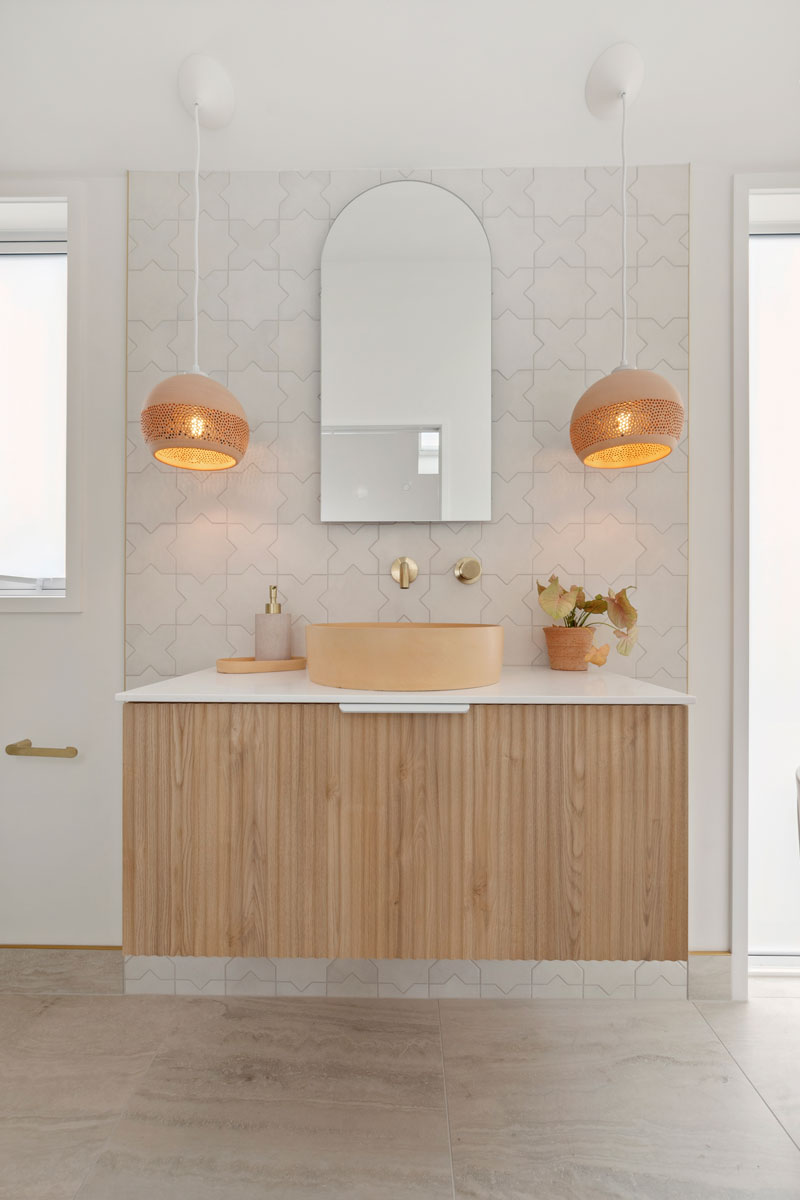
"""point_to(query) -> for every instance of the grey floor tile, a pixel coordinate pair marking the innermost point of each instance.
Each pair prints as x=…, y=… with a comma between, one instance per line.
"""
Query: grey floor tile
x=93, y=972
x=342, y=1050
x=81, y=1056
x=572, y=1102
x=165, y=1098
x=774, y=987
x=227, y=1149
x=48, y=1158
x=15, y=1013
x=764, y=1038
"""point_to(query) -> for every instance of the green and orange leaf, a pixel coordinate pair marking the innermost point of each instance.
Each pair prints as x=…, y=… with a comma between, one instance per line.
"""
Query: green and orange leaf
x=598, y=655
x=620, y=610
x=555, y=601
x=626, y=639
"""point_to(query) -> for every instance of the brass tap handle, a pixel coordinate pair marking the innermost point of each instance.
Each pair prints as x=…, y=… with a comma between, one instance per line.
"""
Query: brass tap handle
x=404, y=571
x=468, y=570
x=24, y=749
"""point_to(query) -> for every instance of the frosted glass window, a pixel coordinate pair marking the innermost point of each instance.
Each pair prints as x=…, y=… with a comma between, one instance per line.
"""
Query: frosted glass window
x=33, y=406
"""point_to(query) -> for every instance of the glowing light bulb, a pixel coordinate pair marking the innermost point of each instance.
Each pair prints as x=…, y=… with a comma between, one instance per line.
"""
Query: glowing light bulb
x=624, y=423
x=197, y=426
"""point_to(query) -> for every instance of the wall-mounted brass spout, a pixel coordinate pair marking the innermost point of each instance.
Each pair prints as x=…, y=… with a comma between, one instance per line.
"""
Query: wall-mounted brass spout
x=404, y=571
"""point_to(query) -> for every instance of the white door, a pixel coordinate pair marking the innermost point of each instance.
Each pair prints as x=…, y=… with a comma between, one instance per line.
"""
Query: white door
x=61, y=656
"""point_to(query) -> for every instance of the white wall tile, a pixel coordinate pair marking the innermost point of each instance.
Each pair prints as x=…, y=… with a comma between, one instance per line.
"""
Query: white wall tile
x=612, y=980
x=213, y=199
x=305, y=192
x=256, y=970
x=200, y=598
x=406, y=978
x=557, y=981
x=559, y=192
x=253, y=245
x=252, y=345
x=147, y=243
x=199, y=645
x=152, y=599
x=509, y=977
x=253, y=294
x=352, y=596
x=344, y=186
x=352, y=977
x=300, y=972
x=559, y=240
x=201, y=548
x=610, y=548
x=661, y=981
x=446, y=599
x=252, y=196
x=316, y=988
x=148, y=650
x=511, y=393
x=199, y=976
x=554, y=240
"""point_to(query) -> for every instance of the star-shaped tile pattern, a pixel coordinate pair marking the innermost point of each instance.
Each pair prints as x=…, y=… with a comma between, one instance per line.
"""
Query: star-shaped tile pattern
x=202, y=549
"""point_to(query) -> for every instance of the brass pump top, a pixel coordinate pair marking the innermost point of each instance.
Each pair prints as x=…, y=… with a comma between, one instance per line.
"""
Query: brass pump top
x=274, y=604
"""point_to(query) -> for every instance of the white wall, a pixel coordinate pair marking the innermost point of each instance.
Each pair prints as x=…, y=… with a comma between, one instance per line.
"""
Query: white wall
x=710, y=556
x=90, y=86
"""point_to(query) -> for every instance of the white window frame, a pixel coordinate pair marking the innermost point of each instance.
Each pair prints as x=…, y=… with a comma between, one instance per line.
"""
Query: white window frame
x=743, y=185
x=74, y=192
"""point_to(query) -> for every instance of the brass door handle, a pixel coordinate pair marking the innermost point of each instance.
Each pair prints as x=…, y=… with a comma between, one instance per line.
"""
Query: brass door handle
x=26, y=750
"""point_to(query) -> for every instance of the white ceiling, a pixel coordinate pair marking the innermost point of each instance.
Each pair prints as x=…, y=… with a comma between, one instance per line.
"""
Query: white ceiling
x=89, y=85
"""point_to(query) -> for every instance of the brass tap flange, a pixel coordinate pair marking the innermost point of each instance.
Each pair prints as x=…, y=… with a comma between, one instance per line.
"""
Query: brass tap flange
x=404, y=571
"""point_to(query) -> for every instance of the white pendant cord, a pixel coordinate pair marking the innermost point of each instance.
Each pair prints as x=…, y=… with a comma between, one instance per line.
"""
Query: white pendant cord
x=624, y=358
x=196, y=368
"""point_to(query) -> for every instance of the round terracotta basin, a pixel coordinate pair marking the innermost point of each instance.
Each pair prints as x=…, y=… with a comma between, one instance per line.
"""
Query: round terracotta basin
x=404, y=656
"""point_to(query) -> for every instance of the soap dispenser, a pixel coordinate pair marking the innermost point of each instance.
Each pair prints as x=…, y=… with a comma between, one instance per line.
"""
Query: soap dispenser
x=273, y=631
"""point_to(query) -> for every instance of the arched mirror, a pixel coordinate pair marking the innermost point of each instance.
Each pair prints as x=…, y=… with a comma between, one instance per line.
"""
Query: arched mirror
x=406, y=359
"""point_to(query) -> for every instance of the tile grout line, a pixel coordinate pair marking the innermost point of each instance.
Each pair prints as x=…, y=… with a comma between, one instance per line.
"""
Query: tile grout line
x=446, y=1104
x=739, y=1067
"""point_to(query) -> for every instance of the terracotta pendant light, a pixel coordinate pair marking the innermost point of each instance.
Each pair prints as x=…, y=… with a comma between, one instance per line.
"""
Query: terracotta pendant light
x=630, y=417
x=190, y=420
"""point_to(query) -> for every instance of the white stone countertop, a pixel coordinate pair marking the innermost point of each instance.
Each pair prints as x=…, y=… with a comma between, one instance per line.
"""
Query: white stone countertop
x=517, y=685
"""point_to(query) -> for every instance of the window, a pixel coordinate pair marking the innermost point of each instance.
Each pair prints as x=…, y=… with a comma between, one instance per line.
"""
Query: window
x=774, y=662
x=33, y=397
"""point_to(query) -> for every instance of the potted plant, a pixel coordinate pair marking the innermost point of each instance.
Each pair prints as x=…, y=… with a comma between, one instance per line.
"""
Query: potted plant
x=570, y=644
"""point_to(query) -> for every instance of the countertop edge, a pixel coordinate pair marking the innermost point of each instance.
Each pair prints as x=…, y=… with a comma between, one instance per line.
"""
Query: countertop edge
x=349, y=698
x=517, y=685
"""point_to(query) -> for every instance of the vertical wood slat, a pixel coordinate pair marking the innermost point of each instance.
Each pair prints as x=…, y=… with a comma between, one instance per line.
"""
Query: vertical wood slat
x=513, y=831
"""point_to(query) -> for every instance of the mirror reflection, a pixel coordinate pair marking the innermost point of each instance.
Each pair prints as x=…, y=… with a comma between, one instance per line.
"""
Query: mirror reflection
x=406, y=359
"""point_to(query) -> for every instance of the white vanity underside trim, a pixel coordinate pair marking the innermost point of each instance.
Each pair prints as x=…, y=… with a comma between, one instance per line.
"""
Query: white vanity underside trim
x=405, y=978
x=517, y=685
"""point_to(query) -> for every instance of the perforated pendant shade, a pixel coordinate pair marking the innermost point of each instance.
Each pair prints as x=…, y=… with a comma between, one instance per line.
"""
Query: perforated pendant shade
x=193, y=422
x=627, y=419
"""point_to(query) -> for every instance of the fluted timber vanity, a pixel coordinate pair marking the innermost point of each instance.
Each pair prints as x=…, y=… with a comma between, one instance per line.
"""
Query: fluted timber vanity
x=543, y=817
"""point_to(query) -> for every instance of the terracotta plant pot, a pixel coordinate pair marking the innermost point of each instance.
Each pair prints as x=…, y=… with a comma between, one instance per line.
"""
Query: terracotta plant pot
x=567, y=648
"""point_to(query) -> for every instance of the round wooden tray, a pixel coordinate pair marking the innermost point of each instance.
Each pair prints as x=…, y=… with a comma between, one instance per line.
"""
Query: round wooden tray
x=254, y=666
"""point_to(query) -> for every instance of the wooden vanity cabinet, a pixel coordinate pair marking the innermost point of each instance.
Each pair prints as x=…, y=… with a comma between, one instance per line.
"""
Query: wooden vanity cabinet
x=529, y=831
